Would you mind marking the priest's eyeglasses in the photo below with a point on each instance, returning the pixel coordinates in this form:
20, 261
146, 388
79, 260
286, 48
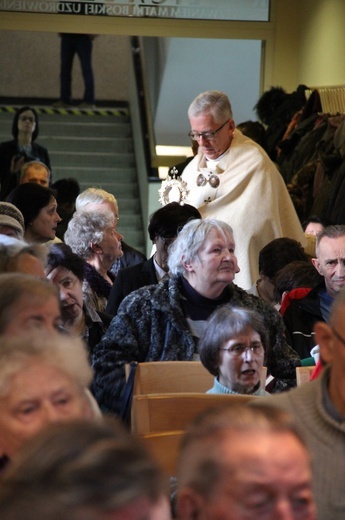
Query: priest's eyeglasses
207, 136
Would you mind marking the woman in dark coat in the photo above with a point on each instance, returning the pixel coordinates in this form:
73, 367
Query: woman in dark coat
66, 270
23, 148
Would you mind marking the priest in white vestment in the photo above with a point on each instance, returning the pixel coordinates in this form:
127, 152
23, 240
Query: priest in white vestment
232, 179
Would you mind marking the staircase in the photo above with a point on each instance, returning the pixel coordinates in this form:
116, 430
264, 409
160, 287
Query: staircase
95, 147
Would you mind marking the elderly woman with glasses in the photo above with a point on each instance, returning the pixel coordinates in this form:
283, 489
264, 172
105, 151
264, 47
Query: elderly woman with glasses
233, 350
22, 148
166, 321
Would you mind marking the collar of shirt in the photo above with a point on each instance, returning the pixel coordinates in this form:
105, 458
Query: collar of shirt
212, 163
159, 271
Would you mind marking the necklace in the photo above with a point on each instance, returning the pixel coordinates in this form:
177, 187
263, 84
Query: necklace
213, 180
210, 177
207, 176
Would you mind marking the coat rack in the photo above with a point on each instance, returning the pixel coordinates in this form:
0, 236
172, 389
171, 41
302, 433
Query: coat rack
332, 99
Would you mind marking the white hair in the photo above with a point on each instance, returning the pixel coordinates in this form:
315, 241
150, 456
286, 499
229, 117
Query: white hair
94, 196
191, 239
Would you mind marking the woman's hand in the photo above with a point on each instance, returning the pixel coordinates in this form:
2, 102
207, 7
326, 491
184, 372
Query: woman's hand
16, 163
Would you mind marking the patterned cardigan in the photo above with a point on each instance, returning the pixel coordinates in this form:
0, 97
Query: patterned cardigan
150, 326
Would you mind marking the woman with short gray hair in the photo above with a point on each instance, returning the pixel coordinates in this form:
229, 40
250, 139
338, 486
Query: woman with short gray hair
166, 321
191, 238
28, 303
93, 237
43, 379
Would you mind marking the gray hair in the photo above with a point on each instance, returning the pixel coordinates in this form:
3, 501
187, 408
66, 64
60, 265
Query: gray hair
191, 239
94, 196
13, 286
213, 102
66, 353
86, 227
201, 466
11, 252
329, 232
80, 470
28, 164
225, 323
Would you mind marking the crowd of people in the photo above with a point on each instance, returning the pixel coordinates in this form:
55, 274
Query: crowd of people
235, 281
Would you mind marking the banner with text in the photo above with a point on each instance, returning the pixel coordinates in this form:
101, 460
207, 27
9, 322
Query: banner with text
237, 10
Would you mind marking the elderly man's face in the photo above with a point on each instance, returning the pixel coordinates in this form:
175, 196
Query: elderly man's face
267, 477
38, 174
220, 143
330, 263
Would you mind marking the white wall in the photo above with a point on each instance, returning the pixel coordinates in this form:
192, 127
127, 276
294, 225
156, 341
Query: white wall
322, 43
195, 65
29, 66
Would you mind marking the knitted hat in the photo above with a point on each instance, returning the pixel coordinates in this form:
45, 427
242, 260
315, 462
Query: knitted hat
12, 217
30, 198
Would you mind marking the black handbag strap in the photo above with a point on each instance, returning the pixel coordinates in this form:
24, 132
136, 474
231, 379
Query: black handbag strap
127, 395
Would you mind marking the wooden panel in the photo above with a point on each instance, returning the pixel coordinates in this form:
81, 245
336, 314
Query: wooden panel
164, 447
169, 412
303, 374
172, 376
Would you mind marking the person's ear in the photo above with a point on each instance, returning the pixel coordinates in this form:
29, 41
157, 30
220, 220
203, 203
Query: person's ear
188, 267
232, 126
190, 505
96, 248
324, 338
317, 265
